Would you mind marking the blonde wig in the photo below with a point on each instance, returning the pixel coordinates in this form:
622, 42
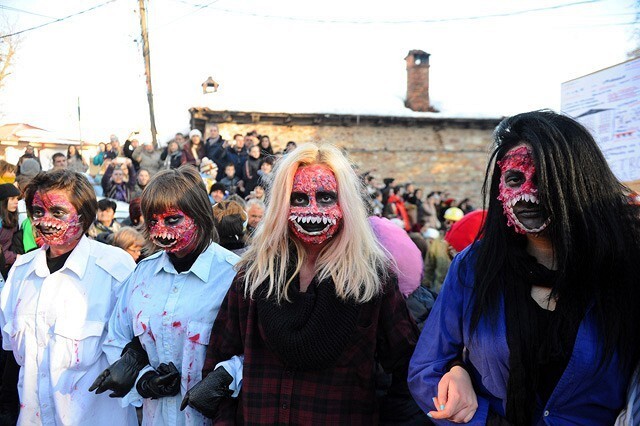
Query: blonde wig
353, 258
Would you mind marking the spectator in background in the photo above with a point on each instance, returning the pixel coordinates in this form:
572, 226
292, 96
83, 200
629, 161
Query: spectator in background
451, 216
59, 161
465, 206
376, 204
148, 157
29, 152
193, 150
437, 260
396, 209
217, 151
291, 145
7, 172
135, 214
75, 161
229, 218
99, 158
180, 140
10, 248
105, 222
232, 183
114, 150
237, 153
265, 172
431, 210
255, 212
266, 150
113, 183
28, 169
142, 180
132, 241
251, 169
258, 193
172, 155
217, 193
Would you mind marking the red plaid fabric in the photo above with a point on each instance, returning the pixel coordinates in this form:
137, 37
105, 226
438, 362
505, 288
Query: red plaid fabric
342, 394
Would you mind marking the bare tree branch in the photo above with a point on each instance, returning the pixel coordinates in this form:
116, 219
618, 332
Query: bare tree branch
8, 49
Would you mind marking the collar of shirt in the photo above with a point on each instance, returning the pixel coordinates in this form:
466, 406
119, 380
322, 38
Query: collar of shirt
200, 268
77, 261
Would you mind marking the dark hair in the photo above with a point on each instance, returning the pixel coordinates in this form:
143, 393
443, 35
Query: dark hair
230, 164
81, 193
135, 211
594, 231
76, 155
217, 187
106, 204
57, 155
236, 135
231, 231
181, 188
9, 219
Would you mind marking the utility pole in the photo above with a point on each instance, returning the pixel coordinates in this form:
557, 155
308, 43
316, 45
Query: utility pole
147, 69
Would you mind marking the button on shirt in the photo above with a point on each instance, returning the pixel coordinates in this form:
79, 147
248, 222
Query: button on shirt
55, 325
172, 313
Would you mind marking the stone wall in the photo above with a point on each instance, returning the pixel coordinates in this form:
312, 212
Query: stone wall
447, 158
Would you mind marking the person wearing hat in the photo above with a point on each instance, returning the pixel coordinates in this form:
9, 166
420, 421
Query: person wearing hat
451, 216
148, 158
9, 195
193, 150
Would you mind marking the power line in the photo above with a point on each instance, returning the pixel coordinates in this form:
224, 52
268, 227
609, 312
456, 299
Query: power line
15, 9
368, 22
197, 6
58, 20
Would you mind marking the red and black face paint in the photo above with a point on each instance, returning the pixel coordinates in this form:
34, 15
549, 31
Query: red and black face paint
173, 231
55, 219
519, 192
314, 213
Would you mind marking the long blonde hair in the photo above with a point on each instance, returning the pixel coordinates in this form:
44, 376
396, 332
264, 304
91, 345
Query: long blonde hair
353, 258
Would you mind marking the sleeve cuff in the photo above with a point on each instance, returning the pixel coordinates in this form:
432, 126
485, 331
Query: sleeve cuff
234, 368
133, 397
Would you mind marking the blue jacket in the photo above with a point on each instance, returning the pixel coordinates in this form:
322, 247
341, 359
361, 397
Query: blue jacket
585, 394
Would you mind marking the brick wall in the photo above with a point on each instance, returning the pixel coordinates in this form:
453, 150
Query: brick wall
444, 158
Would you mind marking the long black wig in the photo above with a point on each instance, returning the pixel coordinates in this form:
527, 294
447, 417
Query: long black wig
594, 231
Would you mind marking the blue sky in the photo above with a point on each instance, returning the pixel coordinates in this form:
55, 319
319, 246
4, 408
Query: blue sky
489, 58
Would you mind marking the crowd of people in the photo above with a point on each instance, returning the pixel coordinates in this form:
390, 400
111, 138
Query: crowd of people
254, 286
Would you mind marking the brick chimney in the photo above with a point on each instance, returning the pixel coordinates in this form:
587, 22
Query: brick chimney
418, 81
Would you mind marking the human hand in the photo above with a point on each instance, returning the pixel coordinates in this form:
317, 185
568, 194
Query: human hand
207, 395
164, 381
456, 400
121, 375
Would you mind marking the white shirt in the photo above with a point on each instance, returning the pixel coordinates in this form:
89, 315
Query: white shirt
55, 325
172, 313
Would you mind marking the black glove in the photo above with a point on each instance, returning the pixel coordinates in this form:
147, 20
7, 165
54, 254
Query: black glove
207, 395
165, 381
122, 374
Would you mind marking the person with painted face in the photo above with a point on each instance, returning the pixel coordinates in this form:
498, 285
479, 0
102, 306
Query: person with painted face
313, 307
169, 303
538, 321
55, 306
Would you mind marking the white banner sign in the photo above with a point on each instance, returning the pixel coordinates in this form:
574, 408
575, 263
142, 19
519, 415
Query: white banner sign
607, 102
